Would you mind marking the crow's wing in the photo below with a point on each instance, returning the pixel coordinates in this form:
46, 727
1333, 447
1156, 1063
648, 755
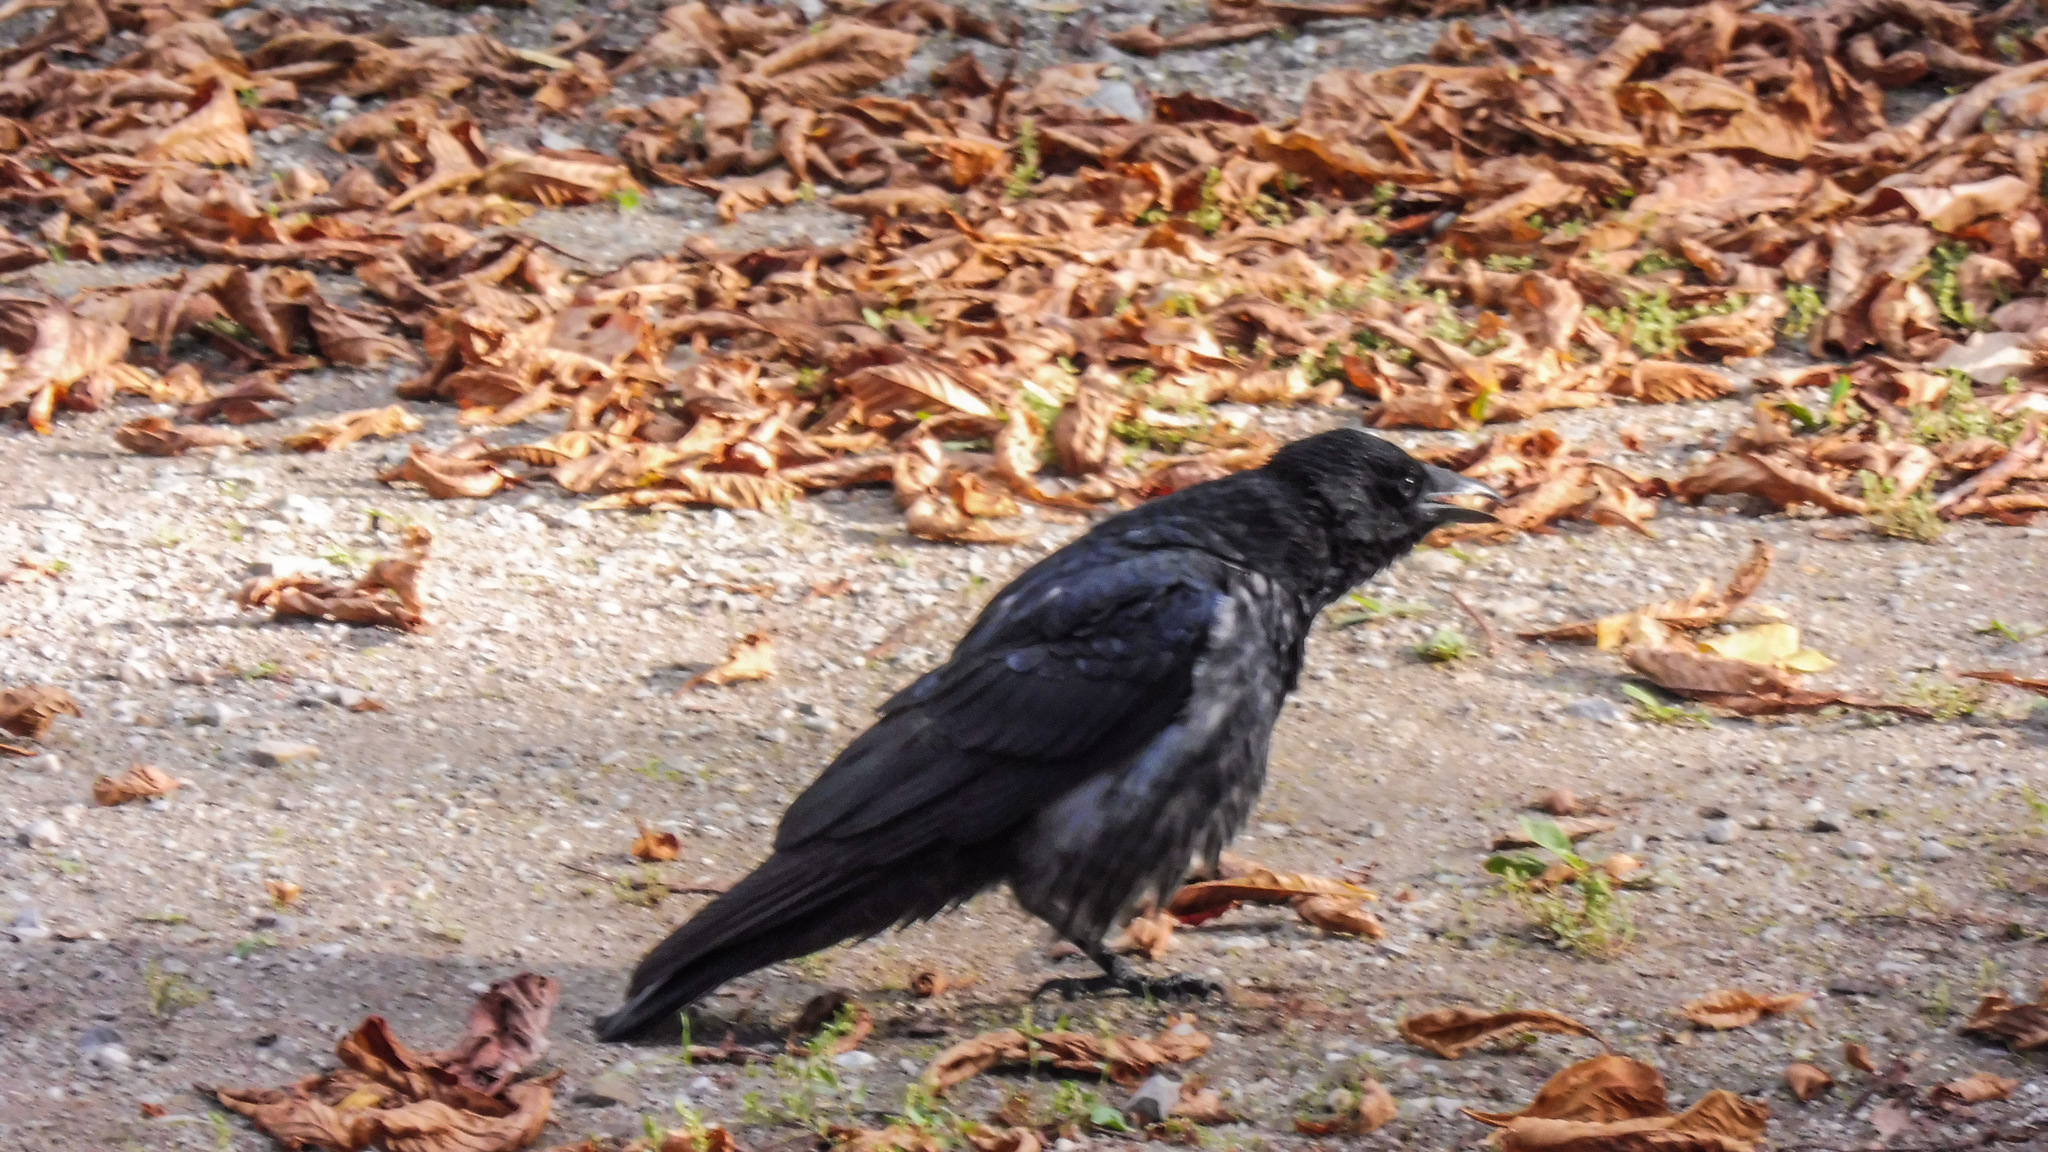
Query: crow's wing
1070, 671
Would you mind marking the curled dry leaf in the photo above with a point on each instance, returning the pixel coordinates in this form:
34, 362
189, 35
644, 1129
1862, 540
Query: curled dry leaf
1368, 1109
654, 844
1195, 903
926, 983
1342, 914
283, 893
2009, 679
752, 657
1574, 827
1602, 1090
1976, 1088
349, 427
387, 595
31, 710
142, 782
2024, 1026
1707, 606
1126, 1060
1452, 1032
1858, 1057
1149, 935
448, 477
158, 436
1807, 1081
385, 1094
1559, 802
1727, 1008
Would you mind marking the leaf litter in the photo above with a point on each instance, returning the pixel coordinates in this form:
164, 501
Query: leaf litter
469, 1098
1042, 280
1125, 1060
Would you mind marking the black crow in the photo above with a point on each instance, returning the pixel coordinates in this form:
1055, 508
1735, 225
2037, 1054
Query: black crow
1104, 723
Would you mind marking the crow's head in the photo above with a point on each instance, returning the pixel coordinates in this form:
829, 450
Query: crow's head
1383, 498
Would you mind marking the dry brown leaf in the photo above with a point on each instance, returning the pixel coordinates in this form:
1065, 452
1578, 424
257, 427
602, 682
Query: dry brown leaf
654, 844
2010, 679
30, 711
1602, 1090
1124, 1059
283, 893
1559, 802
1807, 1081
1720, 1122
1342, 914
1734, 1008
157, 436
212, 134
1208, 899
1150, 935
142, 782
364, 602
752, 657
1858, 1057
448, 477
1452, 1032
1976, 1088
926, 983
2024, 1026
349, 427
465, 1099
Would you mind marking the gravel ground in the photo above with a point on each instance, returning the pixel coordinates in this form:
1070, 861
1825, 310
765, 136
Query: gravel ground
478, 824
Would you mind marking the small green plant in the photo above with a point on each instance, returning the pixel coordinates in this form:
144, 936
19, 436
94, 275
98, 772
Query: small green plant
2036, 806
223, 1132
1649, 707
1943, 281
1358, 608
1444, 645
642, 889
1649, 321
1596, 924
170, 993
1900, 515
262, 670
1807, 309
1502, 262
251, 945
1658, 260
1940, 1005
1961, 416
1025, 172
1209, 217
1946, 699
626, 199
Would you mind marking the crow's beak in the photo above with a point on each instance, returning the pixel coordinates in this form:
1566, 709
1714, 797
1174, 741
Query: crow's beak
1445, 484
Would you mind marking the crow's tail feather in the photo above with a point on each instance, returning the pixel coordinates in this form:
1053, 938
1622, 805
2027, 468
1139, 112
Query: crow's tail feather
796, 903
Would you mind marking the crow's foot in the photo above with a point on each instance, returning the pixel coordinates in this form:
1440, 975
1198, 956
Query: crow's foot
1120, 978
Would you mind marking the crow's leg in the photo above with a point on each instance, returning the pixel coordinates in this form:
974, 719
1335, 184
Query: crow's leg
1118, 976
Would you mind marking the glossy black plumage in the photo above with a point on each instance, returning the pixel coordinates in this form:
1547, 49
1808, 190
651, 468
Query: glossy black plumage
1104, 722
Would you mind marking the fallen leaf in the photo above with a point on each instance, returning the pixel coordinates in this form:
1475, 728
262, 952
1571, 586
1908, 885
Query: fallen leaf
1601, 1090
2024, 1026
752, 657
1858, 1057
926, 983
1775, 645
1195, 903
142, 782
466, 1099
349, 427
448, 477
1150, 935
1728, 1008
283, 893
1976, 1088
654, 844
1125, 1060
30, 711
1807, 1081
158, 436
1558, 802
1343, 914
1452, 1032
2010, 679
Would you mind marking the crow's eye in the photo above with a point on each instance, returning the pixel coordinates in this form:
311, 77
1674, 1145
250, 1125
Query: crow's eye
1411, 486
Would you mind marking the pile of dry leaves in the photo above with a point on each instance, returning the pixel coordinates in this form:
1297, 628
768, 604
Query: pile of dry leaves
469, 1098
1050, 300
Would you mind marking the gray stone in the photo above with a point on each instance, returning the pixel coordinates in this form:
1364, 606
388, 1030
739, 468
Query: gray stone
1858, 850
219, 715
773, 735
1721, 831
1119, 99
1830, 822
855, 1061
549, 138
288, 566
271, 753
1595, 708
1154, 1100
1934, 851
27, 927
41, 834
609, 1090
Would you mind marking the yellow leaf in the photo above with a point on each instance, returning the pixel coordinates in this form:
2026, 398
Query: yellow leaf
1806, 660
1773, 645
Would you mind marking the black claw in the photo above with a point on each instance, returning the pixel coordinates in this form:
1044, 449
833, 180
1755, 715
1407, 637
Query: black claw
1176, 987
